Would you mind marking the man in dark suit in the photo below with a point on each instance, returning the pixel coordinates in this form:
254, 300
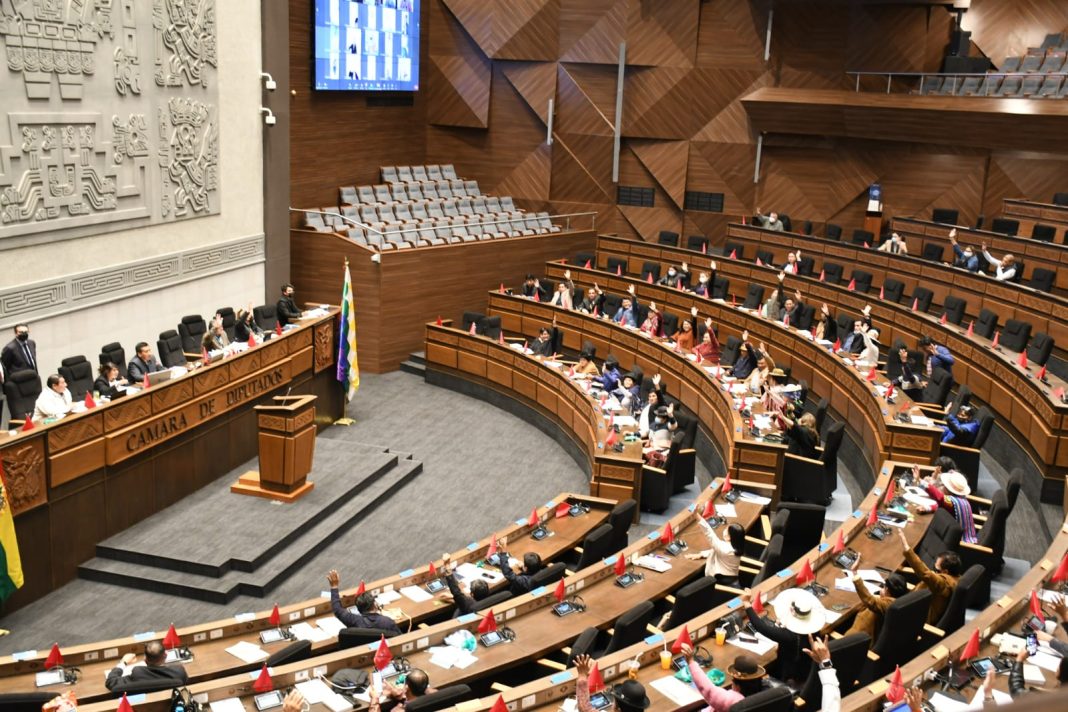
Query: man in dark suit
141, 364
368, 617
20, 353
287, 308
126, 676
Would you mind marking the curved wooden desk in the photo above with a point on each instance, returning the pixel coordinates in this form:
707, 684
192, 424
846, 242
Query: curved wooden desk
1046, 213
1026, 407
208, 641
1045, 312
77, 481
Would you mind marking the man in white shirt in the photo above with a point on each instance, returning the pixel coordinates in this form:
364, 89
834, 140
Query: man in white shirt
54, 400
1005, 268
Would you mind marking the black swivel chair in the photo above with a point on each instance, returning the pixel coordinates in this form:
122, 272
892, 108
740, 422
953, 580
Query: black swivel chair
806, 266
440, 699
114, 353
787, 225
934, 252
953, 618
191, 329
78, 373
754, 296
691, 600
489, 326
833, 232
494, 599
955, 307
615, 264
861, 281
803, 529
595, 547
1040, 348
766, 258
669, 323
847, 655
147, 686
581, 258
806, 228
21, 390
821, 413
729, 354
922, 298
651, 268
806, 317
989, 550
986, 324
470, 318
967, 456
629, 629
942, 535
813, 481
936, 392
774, 699
621, 518
698, 243
229, 320
893, 290
549, 574
354, 637
669, 238
946, 216
293, 653
1044, 233
265, 316
25, 701
1015, 335
899, 638
773, 560
1060, 198
734, 248
1005, 226
720, 287
1042, 279
862, 237
169, 348
832, 273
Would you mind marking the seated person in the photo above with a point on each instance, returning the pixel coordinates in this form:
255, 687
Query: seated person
465, 603
654, 399
708, 349
757, 377
685, 335
368, 616
963, 258
904, 372
949, 489
770, 221
55, 399
869, 356
585, 369
826, 327
941, 581
128, 674
627, 314
1018, 683
705, 282
792, 263
543, 346
286, 308
246, 326
651, 325
747, 358
870, 617
142, 364
609, 378
661, 433
1004, 269
854, 343
562, 295
520, 577
895, 245
724, 556
218, 333
591, 303
416, 684
532, 286
675, 277
628, 696
107, 382
801, 436
629, 394
960, 429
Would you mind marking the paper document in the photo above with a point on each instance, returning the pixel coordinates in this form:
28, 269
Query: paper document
230, 704
676, 690
314, 691
942, 703
446, 656
1033, 674
754, 498
387, 597
845, 584
921, 420
1046, 661
726, 510
625, 421
306, 631
247, 652
762, 646
653, 563
418, 594
331, 625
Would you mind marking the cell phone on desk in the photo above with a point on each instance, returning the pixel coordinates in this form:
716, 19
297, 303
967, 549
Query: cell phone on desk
268, 700
1032, 644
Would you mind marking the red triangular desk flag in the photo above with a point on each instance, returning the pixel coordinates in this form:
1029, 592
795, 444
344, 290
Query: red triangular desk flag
620, 566
588, 265
852, 286
124, 704
263, 681
437, 322
710, 509
562, 510
362, 588
839, 543
1041, 373
278, 328
595, 682
171, 640
533, 520
1036, 607
488, 624
1061, 574
823, 276
28, 425
276, 617
501, 288
55, 658
561, 591
683, 639
144, 382
882, 294
668, 535
89, 402
971, 328
997, 339
432, 570
837, 344
971, 649
896, 692
498, 705
619, 270
758, 604
1022, 361
383, 656
873, 516
733, 255
492, 551
649, 277
805, 575
871, 375
727, 486
537, 295
915, 304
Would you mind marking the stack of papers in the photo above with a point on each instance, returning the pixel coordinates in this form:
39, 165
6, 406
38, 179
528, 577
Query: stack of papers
1046, 661
653, 563
1033, 675
676, 690
921, 420
230, 704
446, 656
306, 631
942, 703
754, 498
468, 571
247, 652
762, 646
316, 691
416, 594
726, 510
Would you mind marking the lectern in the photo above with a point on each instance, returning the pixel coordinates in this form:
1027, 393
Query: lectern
287, 445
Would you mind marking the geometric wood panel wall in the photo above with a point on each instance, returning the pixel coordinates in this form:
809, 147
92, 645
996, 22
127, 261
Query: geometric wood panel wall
495, 64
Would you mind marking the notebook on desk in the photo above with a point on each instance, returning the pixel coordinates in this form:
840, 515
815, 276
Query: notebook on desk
159, 377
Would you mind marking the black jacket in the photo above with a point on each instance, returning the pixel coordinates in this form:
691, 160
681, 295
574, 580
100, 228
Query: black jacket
14, 356
144, 675
517, 583
793, 664
103, 386
136, 369
287, 310
464, 604
242, 331
357, 620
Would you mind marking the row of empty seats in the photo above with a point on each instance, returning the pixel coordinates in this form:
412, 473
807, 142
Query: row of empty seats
385, 217
407, 174
447, 230
1041, 60
383, 194
1039, 86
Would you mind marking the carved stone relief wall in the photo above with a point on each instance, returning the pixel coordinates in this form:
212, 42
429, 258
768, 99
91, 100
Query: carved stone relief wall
89, 141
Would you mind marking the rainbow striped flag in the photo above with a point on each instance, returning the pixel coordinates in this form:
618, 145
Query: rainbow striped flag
348, 369
10, 563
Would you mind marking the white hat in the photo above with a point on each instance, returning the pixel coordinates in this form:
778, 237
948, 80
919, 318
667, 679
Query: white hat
799, 611
956, 483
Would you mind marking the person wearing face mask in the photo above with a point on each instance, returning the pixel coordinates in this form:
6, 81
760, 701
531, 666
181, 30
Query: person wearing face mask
246, 326
20, 353
706, 282
286, 308
963, 258
675, 277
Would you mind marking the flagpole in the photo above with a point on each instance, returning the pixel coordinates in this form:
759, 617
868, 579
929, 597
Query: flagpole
347, 365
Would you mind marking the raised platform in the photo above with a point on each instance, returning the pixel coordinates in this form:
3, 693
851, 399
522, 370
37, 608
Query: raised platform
183, 551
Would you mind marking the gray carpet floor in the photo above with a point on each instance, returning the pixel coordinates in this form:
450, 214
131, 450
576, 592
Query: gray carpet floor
482, 469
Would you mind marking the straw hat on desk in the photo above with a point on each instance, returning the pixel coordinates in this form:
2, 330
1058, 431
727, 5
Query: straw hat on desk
799, 611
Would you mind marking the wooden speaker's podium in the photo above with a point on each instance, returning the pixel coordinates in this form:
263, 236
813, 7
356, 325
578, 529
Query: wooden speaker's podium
287, 445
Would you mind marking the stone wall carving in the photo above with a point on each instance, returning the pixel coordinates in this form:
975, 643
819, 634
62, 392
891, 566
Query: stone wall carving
77, 147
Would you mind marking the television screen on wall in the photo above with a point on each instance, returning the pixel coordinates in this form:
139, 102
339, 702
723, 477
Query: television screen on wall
367, 45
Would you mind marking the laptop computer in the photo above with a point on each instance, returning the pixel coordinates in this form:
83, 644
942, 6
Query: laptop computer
159, 377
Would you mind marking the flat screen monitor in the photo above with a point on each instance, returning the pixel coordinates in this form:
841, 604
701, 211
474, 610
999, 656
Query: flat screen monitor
366, 45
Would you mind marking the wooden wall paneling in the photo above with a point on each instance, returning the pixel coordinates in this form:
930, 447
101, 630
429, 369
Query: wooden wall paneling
814, 183
731, 34
337, 138
34, 534
591, 30
527, 29
459, 70
78, 520
662, 33
1023, 175
809, 44
911, 38
1007, 29
130, 493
